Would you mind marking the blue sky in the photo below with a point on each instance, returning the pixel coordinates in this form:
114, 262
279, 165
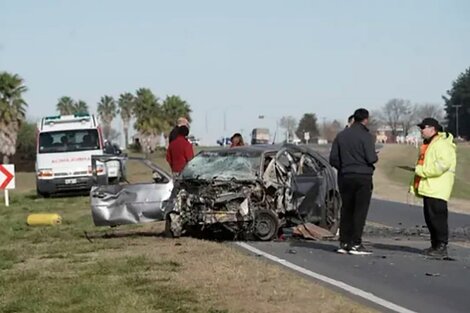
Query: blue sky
237, 58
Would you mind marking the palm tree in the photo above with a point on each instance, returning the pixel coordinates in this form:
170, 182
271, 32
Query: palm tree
174, 107
150, 122
148, 113
12, 112
65, 106
106, 111
126, 107
80, 107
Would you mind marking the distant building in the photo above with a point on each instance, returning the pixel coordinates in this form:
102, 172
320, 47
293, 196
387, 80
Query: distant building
384, 134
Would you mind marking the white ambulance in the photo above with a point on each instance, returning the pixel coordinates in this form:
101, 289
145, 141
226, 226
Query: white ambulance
65, 144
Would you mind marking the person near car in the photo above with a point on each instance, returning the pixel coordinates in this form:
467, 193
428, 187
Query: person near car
434, 176
182, 121
353, 155
180, 151
236, 140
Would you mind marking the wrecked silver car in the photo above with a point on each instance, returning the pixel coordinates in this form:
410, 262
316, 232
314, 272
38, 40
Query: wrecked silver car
135, 197
254, 191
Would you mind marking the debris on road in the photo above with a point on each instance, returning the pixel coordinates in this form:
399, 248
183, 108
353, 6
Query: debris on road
419, 231
311, 231
433, 274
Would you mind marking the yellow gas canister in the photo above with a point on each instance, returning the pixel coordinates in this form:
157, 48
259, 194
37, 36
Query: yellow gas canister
44, 219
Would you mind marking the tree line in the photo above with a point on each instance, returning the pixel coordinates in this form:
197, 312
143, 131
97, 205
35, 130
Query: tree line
400, 115
153, 117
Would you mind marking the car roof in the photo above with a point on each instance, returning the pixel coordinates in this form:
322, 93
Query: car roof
259, 149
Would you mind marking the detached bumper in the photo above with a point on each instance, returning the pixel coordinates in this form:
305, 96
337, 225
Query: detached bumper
69, 184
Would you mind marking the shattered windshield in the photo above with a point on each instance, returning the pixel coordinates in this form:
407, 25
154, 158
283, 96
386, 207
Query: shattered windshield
223, 165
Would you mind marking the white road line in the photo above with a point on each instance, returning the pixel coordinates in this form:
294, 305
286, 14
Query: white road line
355, 291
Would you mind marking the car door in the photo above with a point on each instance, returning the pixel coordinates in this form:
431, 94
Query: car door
303, 181
137, 199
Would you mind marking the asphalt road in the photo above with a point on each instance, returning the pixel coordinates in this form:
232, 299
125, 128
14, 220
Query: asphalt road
397, 271
402, 215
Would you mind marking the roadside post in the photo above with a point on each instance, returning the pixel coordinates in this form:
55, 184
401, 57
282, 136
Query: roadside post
306, 136
7, 180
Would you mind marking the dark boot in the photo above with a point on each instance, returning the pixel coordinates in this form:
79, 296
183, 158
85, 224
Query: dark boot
440, 251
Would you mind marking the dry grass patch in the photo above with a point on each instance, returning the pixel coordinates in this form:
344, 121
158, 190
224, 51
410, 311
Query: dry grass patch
233, 281
133, 269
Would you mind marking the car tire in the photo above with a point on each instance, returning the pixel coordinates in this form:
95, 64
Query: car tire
266, 225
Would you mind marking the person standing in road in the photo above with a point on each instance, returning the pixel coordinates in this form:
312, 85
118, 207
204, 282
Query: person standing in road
433, 181
180, 151
182, 121
353, 155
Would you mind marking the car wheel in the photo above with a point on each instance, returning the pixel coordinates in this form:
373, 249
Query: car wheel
266, 225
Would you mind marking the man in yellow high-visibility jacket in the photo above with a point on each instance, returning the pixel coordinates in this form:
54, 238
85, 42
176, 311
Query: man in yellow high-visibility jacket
433, 181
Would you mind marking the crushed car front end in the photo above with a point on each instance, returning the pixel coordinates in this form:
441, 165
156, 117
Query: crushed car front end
252, 192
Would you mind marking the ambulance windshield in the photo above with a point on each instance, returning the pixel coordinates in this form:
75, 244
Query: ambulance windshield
68, 141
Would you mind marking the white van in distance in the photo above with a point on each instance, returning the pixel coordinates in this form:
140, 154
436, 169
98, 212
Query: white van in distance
65, 145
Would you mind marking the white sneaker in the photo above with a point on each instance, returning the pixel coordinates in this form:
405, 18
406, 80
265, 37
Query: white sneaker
343, 248
359, 250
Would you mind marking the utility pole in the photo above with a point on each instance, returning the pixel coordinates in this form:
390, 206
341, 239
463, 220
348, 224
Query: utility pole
457, 106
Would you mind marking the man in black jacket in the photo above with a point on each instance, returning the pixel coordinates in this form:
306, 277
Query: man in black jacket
353, 155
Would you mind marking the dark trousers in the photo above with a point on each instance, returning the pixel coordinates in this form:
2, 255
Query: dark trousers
356, 191
435, 215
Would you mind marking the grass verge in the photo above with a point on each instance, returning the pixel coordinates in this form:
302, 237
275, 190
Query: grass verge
394, 159
57, 269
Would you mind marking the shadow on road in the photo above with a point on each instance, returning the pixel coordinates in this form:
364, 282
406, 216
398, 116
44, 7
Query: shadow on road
331, 247
382, 246
318, 245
